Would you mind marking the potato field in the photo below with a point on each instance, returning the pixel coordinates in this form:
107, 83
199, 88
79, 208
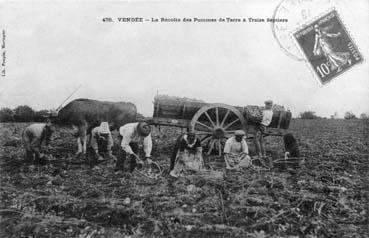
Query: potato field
325, 196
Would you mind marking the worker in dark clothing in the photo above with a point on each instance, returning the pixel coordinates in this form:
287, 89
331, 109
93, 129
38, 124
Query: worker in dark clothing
187, 154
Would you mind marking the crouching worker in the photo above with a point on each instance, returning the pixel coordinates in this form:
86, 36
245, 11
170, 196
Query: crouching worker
132, 135
33, 136
236, 152
102, 142
291, 147
187, 154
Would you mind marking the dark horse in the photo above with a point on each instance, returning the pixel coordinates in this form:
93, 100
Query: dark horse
85, 114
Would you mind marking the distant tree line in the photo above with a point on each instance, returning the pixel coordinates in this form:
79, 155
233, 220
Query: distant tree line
364, 116
348, 115
22, 113
308, 115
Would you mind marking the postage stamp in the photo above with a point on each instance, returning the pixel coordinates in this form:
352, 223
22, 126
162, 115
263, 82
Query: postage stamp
327, 46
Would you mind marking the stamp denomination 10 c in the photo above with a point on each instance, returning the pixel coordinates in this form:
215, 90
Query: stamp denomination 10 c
327, 46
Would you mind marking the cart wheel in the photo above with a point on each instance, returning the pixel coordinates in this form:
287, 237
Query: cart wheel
215, 123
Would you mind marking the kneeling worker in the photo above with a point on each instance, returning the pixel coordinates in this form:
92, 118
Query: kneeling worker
102, 141
33, 136
236, 152
187, 154
132, 135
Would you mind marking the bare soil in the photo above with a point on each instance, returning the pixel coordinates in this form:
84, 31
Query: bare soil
326, 196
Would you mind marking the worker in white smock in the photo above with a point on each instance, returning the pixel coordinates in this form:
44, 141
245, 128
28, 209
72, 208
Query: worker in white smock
260, 129
133, 135
236, 151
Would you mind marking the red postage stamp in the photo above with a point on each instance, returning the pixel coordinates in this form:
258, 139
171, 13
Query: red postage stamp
328, 47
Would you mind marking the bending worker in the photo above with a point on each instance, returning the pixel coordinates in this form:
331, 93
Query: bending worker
260, 129
236, 152
33, 136
187, 154
132, 135
102, 141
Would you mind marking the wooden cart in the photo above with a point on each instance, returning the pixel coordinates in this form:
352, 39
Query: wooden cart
214, 122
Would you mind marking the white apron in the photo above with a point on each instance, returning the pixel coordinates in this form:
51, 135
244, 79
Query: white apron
188, 161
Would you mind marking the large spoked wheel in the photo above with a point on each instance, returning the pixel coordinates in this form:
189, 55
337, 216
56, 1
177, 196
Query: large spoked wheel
215, 123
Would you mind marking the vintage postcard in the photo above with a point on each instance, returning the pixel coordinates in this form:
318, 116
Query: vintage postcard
224, 118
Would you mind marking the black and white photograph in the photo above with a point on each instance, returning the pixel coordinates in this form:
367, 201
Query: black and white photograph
156, 118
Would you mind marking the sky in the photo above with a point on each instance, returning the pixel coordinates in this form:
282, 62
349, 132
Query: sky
53, 47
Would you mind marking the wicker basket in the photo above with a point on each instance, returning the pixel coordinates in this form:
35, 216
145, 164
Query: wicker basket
253, 114
283, 164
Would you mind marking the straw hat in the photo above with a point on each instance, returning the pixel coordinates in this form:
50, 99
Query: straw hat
104, 128
239, 133
143, 129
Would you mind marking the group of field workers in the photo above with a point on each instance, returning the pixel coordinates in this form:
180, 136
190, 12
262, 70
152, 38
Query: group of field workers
131, 136
186, 155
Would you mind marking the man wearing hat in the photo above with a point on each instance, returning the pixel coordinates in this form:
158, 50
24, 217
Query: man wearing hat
265, 121
102, 141
236, 152
187, 154
133, 134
